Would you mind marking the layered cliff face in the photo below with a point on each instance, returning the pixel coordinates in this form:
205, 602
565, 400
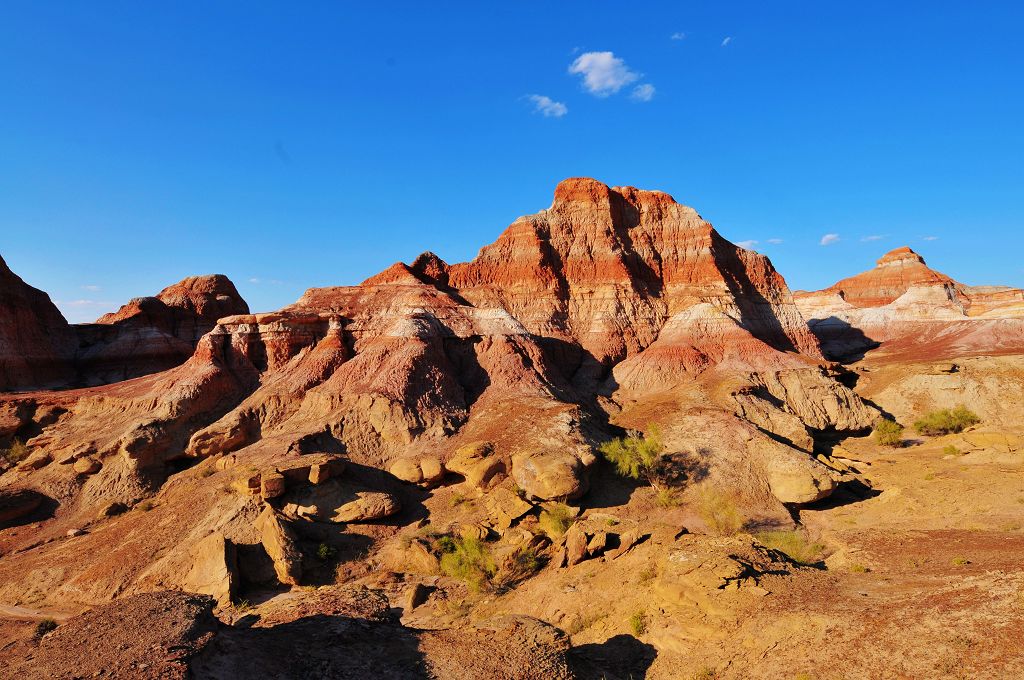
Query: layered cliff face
614, 308
152, 334
907, 308
39, 349
36, 343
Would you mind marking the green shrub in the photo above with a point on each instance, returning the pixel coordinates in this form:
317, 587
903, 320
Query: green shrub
793, 543
669, 498
45, 626
556, 519
719, 511
634, 456
638, 623
467, 559
326, 552
16, 452
946, 421
952, 451
888, 432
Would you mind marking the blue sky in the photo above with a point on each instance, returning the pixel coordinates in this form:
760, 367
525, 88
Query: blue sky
291, 145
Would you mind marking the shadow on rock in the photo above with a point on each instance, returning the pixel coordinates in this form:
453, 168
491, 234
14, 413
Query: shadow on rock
24, 506
622, 657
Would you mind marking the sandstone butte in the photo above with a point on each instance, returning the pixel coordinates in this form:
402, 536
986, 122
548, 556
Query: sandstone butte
185, 444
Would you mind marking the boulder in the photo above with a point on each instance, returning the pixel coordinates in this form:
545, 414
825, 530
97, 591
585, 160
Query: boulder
368, 506
799, 481
87, 466
17, 503
281, 543
272, 484
550, 475
479, 464
214, 569
505, 507
575, 546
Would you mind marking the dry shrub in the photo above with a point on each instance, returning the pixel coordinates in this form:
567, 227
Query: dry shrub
719, 511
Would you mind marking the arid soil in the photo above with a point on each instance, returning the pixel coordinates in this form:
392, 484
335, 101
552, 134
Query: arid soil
404, 478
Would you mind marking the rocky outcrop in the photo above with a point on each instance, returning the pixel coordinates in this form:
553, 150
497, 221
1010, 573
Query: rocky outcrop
152, 334
214, 569
913, 312
36, 342
39, 349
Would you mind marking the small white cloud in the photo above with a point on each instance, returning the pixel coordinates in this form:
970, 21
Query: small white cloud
547, 106
747, 244
92, 288
931, 238
873, 237
254, 280
775, 241
603, 73
829, 239
677, 36
726, 41
643, 93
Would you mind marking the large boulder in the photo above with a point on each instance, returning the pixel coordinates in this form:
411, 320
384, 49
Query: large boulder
214, 569
550, 474
796, 480
282, 545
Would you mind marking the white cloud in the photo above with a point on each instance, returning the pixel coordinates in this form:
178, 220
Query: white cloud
547, 106
747, 244
873, 237
92, 288
726, 41
775, 241
603, 73
931, 238
829, 239
256, 281
643, 93
677, 36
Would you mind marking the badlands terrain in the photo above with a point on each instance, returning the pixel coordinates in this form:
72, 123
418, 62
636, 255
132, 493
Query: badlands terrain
412, 477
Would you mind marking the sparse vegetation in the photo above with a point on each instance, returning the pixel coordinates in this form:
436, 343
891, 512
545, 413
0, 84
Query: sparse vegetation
556, 519
467, 559
960, 561
146, 505
521, 565
638, 623
858, 568
16, 452
719, 511
706, 673
947, 421
243, 606
647, 574
794, 544
635, 456
952, 451
581, 622
45, 626
888, 432
326, 553
457, 500
669, 498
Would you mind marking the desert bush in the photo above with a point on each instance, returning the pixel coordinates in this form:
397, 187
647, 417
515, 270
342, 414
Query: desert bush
952, 451
706, 673
719, 511
638, 623
45, 626
146, 505
888, 432
794, 544
946, 421
467, 559
669, 498
635, 456
326, 552
16, 452
556, 519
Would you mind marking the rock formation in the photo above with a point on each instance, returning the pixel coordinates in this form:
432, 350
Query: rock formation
908, 307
